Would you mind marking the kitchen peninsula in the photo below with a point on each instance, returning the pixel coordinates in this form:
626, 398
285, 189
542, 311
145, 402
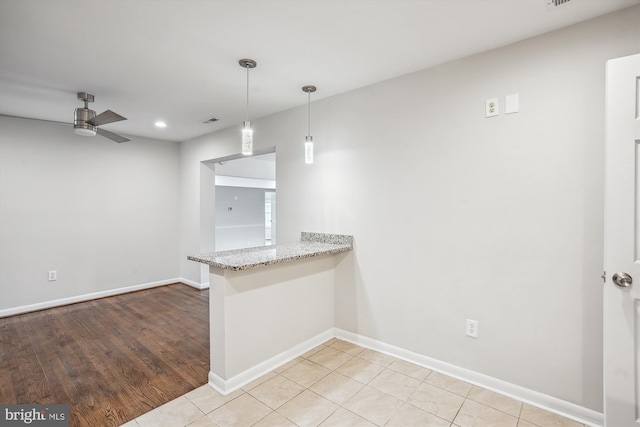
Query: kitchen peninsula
268, 304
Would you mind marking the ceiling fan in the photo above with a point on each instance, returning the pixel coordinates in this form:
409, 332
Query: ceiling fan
85, 121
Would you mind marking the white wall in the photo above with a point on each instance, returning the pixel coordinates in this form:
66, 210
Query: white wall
104, 215
456, 216
239, 217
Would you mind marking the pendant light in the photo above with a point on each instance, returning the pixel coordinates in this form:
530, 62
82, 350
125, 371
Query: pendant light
247, 132
308, 142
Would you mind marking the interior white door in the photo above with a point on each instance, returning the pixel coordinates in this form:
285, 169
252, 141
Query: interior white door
622, 244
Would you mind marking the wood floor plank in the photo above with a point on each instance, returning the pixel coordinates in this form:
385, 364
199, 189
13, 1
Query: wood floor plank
111, 359
8, 364
33, 382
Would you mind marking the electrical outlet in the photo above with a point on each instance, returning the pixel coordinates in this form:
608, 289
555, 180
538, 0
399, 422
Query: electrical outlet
53, 275
472, 328
491, 107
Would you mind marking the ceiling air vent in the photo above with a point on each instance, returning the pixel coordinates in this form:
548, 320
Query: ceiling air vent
211, 120
557, 2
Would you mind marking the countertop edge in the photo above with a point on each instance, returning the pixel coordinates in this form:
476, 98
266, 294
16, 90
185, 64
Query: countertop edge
330, 244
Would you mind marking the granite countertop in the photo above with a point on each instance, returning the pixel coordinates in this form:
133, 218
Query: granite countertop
310, 245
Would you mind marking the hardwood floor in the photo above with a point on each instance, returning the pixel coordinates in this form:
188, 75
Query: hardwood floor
111, 359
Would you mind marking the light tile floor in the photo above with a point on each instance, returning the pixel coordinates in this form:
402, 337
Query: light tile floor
342, 384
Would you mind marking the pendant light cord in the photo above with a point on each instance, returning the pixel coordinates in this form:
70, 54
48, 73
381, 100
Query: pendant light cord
309, 113
247, 92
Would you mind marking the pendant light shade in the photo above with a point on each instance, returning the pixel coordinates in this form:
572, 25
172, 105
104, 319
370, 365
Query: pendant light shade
308, 142
308, 149
247, 138
247, 132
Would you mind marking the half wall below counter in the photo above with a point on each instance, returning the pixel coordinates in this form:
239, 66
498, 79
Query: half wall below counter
266, 303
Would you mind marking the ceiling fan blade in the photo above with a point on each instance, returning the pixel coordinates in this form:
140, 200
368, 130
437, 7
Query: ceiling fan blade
33, 118
112, 136
106, 117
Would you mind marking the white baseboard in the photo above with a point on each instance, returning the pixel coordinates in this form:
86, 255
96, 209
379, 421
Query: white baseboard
95, 295
225, 387
199, 286
543, 401
549, 403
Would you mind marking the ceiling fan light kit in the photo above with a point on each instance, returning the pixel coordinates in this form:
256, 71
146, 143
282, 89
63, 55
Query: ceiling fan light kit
86, 122
83, 115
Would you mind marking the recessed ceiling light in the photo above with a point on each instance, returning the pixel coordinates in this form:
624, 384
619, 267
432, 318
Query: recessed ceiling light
160, 124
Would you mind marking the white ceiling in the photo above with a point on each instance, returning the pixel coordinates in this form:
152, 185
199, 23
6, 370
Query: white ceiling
177, 60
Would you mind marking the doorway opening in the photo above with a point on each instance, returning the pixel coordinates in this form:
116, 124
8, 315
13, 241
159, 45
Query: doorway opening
245, 202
